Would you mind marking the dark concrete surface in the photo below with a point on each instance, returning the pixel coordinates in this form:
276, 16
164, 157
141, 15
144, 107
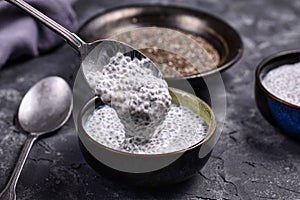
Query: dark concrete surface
252, 160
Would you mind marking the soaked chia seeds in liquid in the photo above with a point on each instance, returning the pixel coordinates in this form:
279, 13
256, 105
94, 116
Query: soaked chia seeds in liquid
140, 99
284, 83
181, 129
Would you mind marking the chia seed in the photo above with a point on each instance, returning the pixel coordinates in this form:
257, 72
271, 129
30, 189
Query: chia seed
181, 57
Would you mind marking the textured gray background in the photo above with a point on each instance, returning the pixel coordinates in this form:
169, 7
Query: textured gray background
252, 160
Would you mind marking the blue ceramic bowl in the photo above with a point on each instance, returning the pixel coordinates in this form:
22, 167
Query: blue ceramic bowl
276, 111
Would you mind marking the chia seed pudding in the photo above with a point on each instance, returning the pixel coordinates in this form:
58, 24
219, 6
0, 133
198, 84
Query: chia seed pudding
139, 116
182, 128
284, 83
140, 99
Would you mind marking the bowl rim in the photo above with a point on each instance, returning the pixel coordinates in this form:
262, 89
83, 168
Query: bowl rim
224, 66
207, 138
263, 63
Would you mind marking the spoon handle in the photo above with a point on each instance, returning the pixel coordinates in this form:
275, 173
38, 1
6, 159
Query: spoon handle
70, 37
9, 192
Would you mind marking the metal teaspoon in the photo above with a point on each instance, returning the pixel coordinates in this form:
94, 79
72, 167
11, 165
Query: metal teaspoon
46, 107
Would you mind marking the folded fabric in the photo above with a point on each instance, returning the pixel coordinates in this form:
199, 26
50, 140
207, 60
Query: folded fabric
21, 35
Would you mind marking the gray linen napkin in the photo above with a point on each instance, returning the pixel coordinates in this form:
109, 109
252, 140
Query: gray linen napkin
21, 35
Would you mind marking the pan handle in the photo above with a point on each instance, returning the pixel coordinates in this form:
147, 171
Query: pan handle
71, 38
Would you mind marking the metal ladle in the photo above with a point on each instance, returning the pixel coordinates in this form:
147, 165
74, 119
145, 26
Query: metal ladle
97, 53
46, 107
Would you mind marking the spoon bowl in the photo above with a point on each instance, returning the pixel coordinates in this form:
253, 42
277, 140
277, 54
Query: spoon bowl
45, 108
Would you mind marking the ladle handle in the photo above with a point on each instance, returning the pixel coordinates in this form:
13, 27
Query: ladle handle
70, 37
9, 192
